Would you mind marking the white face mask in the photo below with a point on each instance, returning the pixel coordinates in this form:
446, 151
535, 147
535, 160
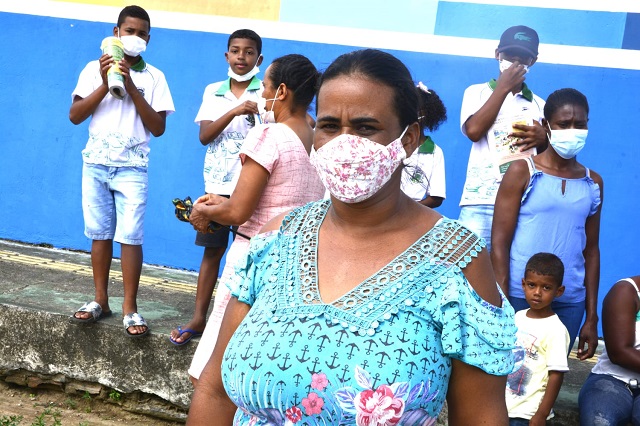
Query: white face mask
354, 168
267, 116
568, 143
504, 65
132, 45
246, 77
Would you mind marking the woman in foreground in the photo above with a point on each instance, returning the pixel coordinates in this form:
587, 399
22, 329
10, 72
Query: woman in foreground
347, 315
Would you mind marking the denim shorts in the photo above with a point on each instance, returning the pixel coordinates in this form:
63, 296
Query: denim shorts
218, 239
114, 200
479, 219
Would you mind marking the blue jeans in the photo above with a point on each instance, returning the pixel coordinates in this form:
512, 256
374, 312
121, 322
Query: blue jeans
114, 200
570, 314
517, 421
478, 218
604, 401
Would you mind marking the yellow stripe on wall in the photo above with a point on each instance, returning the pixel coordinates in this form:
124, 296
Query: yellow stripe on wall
268, 10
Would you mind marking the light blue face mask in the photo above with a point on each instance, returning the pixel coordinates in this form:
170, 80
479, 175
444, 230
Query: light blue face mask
567, 142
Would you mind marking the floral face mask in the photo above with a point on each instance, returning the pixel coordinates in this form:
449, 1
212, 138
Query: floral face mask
354, 168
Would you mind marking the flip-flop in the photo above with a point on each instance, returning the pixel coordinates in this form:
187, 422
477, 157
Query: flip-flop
134, 319
188, 339
94, 309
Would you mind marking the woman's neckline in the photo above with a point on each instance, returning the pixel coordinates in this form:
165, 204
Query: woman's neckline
364, 282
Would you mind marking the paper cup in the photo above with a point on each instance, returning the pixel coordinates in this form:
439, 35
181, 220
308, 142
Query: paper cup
115, 80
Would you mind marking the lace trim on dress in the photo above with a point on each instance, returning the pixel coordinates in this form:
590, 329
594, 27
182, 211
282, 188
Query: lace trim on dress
427, 264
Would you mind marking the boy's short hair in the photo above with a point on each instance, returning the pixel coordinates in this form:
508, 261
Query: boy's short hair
245, 33
133, 12
546, 264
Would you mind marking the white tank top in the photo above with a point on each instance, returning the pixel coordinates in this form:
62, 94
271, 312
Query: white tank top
604, 364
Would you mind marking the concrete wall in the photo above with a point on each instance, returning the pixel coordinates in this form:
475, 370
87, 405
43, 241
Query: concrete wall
446, 44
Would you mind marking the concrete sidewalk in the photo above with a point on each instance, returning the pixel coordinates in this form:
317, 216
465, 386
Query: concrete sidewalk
41, 287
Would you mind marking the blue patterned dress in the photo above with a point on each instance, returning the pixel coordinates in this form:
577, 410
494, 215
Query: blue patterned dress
379, 355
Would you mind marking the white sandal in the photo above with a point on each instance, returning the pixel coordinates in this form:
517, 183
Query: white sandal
94, 309
132, 320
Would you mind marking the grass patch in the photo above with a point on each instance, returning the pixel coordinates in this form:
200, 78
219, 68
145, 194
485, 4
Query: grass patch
10, 420
114, 395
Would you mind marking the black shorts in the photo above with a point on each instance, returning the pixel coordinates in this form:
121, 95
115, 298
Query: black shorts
220, 238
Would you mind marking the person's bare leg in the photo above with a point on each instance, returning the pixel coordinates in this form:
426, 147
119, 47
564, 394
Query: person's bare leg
131, 259
207, 278
101, 255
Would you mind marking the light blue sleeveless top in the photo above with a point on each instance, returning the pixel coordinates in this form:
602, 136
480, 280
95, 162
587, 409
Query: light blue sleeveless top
380, 354
554, 222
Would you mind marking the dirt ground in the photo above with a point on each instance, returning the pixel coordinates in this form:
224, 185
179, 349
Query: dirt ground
44, 407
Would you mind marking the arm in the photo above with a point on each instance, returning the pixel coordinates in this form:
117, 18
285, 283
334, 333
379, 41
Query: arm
467, 406
619, 325
82, 108
153, 120
242, 203
209, 130
210, 400
432, 202
438, 181
480, 275
589, 331
477, 125
549, 398
505, 219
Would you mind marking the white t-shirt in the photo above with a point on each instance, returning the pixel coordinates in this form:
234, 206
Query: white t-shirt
545, 342
222, 160
117, 136
481, 185
423, 175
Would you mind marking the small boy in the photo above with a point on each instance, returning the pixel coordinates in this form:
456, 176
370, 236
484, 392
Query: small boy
114, 175
533, 388
229, 110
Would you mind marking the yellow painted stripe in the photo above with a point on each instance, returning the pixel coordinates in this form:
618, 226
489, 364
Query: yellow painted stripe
267, 10
84, 270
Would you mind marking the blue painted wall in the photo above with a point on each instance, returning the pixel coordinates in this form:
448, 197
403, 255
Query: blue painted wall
578, 28
40, 165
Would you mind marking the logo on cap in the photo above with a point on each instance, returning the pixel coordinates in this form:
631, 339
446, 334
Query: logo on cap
521, 36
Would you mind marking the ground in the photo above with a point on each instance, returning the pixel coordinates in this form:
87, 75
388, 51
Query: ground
45, 407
